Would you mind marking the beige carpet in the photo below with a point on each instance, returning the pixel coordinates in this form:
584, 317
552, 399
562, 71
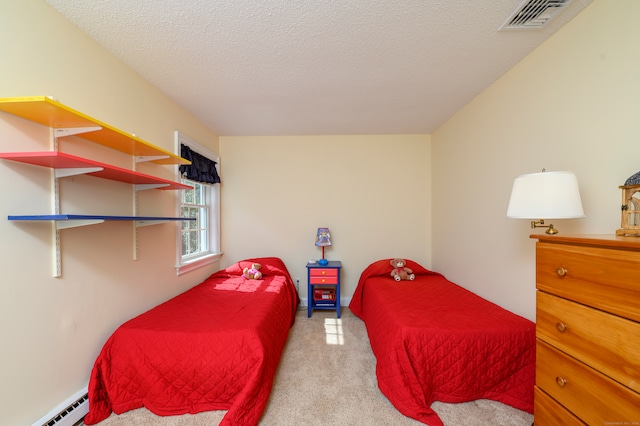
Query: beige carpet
327, 377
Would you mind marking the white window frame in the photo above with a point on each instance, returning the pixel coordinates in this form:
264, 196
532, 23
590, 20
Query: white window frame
213, 200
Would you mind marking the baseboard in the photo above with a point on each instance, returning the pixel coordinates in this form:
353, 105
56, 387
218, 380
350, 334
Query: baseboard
67, 413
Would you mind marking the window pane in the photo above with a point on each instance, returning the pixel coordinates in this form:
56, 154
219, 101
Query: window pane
193, 212
185, 243
203, 240
198, 195
188, 196
193, 242
184, 212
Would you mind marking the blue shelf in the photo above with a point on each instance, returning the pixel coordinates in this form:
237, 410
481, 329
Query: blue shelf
91, 217
73, 220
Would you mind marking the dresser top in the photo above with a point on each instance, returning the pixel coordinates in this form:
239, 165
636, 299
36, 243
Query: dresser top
602, 240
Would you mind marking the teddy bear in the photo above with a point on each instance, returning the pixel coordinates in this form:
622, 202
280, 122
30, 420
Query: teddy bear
252, 273
400, 272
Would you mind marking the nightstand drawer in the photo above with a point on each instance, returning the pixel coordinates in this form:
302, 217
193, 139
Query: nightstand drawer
547, 412
323, 275
599, 277
323, 280
328, 272
594, 337
591, 396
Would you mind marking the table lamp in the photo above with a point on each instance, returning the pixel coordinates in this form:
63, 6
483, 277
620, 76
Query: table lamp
545, 195
323, 239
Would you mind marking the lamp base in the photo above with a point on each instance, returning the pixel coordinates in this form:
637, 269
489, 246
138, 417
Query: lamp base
551, 230
323, 262
540, 224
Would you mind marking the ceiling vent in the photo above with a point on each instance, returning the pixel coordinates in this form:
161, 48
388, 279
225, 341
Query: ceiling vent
533, 14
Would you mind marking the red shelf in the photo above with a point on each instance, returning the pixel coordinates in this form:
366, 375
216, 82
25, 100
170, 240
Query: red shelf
60, 160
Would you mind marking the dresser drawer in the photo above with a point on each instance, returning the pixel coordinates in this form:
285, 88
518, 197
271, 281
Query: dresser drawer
547, 412
603, 278
591, 396
607, 343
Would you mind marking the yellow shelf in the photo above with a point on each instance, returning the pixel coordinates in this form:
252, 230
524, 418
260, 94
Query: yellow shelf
46, 111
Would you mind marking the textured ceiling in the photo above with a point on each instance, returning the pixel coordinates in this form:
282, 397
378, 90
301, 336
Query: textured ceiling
314, 67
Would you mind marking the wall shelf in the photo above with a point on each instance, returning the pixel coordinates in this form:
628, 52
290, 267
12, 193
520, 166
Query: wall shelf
70, 165
64, 221
67, 122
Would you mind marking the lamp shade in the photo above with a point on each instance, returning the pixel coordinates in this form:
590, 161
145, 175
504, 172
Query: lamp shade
323, 238
545, 195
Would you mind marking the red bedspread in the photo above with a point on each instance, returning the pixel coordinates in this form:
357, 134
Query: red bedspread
436, 341
214, 347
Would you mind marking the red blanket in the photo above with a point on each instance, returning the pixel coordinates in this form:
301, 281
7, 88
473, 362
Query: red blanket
435, 341
214, 347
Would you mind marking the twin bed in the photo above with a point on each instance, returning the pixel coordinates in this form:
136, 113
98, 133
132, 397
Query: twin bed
217, 346
214, 347
436, 341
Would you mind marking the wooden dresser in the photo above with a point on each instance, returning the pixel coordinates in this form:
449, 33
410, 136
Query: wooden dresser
588, 330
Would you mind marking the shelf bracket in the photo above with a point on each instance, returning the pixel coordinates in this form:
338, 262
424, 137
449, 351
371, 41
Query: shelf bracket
60, 173
74, 223
62, 132
145, 186
55, 208
134, 227
146, 158
141, 223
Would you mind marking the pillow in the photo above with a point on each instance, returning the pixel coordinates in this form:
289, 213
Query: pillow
383, 267
268, 266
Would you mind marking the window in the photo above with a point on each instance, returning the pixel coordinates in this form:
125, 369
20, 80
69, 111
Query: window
198, 241
195, 233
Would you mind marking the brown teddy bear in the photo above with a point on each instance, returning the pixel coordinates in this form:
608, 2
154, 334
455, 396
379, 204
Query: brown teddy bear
253, 273
400, 272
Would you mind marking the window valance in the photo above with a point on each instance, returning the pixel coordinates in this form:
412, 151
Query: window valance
201, 169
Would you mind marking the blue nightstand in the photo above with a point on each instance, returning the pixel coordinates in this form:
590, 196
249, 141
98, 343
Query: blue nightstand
323, 286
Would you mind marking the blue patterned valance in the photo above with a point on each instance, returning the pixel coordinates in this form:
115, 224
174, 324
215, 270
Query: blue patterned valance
201, 168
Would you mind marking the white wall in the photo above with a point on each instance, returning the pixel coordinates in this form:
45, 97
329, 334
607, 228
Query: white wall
371, 191
573, 104
52, 328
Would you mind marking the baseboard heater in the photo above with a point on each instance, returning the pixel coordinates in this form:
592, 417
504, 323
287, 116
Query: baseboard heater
67, 413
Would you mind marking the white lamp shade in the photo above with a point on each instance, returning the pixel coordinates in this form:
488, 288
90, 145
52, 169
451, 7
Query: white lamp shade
545, 195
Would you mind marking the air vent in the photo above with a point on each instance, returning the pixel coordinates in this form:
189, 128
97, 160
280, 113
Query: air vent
533, 14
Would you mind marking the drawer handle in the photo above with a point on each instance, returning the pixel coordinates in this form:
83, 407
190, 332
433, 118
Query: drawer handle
561, 271
561, 381
323, 280
324, 272
562, 327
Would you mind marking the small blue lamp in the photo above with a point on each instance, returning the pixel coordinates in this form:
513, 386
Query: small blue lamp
323, 239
